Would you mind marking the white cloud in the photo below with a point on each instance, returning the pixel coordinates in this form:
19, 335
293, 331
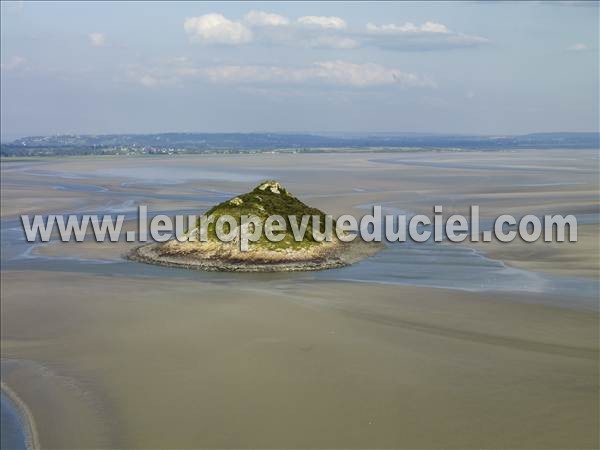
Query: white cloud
579, 47
160, 75
336, 72
269, 28
13, 63
352, 74
265, 28
216, 28
464, 40
323, 22
149, 81
265, 19
427, 36
179, 60
408, 27
329, 41
97, 39
434, 27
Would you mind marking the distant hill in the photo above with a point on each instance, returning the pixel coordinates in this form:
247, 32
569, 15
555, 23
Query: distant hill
245, 142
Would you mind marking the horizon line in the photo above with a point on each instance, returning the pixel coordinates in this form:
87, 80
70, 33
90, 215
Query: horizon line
299, 132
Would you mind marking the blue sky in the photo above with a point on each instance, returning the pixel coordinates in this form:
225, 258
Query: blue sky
134, 67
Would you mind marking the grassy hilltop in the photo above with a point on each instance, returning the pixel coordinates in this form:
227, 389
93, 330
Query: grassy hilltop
270, 198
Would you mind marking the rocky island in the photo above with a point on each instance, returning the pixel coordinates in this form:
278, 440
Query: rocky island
313, 251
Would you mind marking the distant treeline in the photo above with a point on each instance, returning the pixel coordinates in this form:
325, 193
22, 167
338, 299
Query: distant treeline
175, 143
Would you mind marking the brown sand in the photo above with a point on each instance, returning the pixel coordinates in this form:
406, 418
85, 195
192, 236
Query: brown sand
184, 364
579, 259
117, 362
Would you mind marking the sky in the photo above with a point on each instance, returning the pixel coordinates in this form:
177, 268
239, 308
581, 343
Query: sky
135, 67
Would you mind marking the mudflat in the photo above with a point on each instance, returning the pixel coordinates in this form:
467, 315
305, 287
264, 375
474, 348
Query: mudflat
114, 354
165, 363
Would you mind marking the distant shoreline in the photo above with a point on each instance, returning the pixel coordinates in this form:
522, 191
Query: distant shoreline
32, 440
51, 154
58, 152
257, 143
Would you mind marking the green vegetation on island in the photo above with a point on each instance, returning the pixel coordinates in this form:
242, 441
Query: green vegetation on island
270, 199
304, 238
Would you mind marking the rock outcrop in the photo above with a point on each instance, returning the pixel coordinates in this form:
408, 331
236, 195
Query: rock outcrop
314, 249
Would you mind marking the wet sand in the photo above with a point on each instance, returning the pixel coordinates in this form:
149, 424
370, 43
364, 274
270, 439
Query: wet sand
185, 364
25, 417
140, 359
579, 258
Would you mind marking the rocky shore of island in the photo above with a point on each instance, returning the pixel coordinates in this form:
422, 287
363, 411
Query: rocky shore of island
287, 253
227, 258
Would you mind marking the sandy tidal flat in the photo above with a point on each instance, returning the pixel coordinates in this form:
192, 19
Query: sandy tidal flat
115, 354
580, 259
158, 364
